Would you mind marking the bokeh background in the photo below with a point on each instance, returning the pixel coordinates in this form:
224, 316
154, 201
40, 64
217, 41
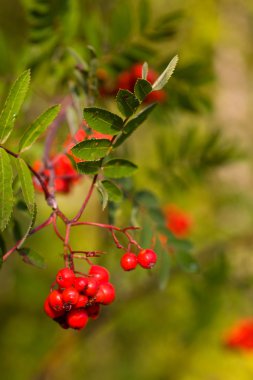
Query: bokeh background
194, 152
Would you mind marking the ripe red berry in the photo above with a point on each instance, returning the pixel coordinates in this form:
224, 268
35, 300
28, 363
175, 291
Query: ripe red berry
65, 278
81, 283
101, 274
50, 311
55, 300
129, 261
92, 287
70, 296
82, 301
105, 294
93, 311
77, 319
147, 258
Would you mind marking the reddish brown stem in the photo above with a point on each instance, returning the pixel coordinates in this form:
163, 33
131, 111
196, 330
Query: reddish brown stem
36, 229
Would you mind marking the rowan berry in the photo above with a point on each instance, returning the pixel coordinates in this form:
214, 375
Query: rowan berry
147, 258
50, 311
82, 301
65, 278
101, 274
105, 294
70, 296
77, 319
81, 283
55, 300
92, 287
93, 310
129, 261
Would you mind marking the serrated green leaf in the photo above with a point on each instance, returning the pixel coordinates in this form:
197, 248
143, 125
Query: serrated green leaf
166, 74
29, 228
145, 70
103, 121
26, 184
104, 194
117, 168
114, 192
126, 102
31, 257
133, 124
92, 149
6, 192
186, 261
142, 88
13, 104
38, 127
90, 167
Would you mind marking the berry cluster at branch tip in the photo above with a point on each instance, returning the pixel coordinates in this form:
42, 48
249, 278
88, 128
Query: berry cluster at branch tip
78, 298
146, 258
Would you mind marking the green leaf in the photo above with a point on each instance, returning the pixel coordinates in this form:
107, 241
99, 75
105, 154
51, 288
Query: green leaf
104, 195
147, 199
26, 184
29, 228
145, 70
92, 149
103, 121
166, 74
127, 102
13, 104
38, 127
117, 168
6, 192
142, 88
31, 257
186, 261
90, 167
133, 124
144, 13
114, 192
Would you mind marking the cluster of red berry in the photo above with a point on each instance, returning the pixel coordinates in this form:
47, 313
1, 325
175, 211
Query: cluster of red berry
146, 258
127, 79
78, 298
64, 174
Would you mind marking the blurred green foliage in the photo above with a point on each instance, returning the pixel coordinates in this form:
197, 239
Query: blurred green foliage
194, 152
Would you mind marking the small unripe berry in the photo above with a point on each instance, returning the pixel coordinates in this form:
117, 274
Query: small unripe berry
105, 294
101, 274
92, 287
50, 311
77, 319
55, 300
81, 283
70, 296
147, 258
65, 278
129, 261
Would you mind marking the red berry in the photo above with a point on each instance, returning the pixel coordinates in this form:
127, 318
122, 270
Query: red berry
81, 283
70, 296
147, 258
92, 287
129, 261
65, 278
77, 319
101, 274
50, 311
82, 301
55, 300
105, 294
93, 311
